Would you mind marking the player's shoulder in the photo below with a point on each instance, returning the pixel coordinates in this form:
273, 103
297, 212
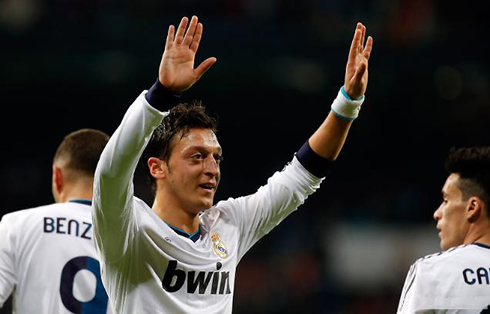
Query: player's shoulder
28, 212
225, 210
457, 254
34, 213
140, 203
443, 255
142, 209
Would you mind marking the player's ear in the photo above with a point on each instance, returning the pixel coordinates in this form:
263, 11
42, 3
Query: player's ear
474, 209
158, 168
57, 179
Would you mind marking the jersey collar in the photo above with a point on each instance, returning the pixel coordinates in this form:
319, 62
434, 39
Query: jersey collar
83, 201
194, 237
482, 245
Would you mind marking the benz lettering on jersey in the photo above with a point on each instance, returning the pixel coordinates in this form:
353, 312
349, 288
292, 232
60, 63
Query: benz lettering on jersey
63, 225
197, 282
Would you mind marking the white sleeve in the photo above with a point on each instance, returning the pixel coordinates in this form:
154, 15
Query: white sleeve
8, 278
114, 222
407, 295
257, 214
414, 298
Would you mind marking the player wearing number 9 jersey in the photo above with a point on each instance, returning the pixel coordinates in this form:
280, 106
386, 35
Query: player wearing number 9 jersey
47, 256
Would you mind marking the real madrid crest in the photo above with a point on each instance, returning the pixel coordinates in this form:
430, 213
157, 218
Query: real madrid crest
219, 246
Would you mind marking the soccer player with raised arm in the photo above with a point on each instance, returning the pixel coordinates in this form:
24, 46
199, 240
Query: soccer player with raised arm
47, 255
457, 280
180, 255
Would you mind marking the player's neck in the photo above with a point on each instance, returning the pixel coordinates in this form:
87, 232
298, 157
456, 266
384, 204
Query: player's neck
175, 215
479, 234
76, 192
484, 239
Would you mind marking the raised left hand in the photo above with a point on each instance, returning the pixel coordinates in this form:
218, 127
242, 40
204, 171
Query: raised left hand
356, 72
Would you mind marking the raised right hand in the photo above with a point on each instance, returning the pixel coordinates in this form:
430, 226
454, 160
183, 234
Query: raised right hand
177, 72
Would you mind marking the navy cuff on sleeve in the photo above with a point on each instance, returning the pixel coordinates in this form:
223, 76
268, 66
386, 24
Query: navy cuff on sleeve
161, 98
314, 163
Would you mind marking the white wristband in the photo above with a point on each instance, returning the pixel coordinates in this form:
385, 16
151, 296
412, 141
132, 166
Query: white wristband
346, 108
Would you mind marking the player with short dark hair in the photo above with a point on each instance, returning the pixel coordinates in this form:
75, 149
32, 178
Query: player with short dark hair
457, 280
47, 256
176, 125
180, 256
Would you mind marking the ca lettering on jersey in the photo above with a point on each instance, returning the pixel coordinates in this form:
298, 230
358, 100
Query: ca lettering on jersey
477, 276
197, 282
61, 225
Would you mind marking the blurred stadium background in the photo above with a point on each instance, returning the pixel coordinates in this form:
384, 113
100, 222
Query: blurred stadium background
68, 64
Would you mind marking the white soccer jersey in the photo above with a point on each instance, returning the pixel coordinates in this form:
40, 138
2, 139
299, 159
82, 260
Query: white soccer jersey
149, 268
456, 281
48, 259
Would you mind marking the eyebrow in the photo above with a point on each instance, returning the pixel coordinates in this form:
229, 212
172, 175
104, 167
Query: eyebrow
206, 148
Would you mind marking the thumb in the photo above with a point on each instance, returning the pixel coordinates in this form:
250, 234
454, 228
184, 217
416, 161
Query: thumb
204, 66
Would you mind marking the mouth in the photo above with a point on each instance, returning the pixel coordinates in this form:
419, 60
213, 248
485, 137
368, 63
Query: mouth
208, 186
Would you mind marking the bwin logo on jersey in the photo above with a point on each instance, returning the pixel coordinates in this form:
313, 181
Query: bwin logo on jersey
174, 279
219, 246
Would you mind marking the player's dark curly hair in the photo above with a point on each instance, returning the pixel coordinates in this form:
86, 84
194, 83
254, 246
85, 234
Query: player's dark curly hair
178, 122
473, 166
80, 150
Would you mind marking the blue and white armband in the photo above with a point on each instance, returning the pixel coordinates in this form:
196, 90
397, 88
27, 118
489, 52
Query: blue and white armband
345, 107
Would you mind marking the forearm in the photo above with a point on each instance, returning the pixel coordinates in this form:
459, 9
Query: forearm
330, 137
262, 211
121, 155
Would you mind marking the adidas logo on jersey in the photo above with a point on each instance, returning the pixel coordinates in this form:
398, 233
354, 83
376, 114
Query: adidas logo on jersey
174, 280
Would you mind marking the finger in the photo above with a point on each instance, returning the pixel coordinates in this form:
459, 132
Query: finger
170, 37
197, 38
369, 47
204, 66
189, 35
355, 44
363, 35
179, 37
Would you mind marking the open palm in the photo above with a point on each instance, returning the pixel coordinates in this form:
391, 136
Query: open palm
356, 72
177, 72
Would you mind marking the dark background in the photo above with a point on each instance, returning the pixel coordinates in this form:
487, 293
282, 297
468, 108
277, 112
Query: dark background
70, 64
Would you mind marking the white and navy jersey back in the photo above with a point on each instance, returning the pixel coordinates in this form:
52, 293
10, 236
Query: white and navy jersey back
455, 281
48, 260
147, 267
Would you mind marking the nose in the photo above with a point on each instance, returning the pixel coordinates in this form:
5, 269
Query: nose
211, 166
438, 214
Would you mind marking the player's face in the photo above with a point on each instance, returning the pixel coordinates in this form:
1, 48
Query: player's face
451, 215
194, 170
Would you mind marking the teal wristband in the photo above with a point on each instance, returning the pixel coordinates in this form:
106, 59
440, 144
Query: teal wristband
345, 107
342, 89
